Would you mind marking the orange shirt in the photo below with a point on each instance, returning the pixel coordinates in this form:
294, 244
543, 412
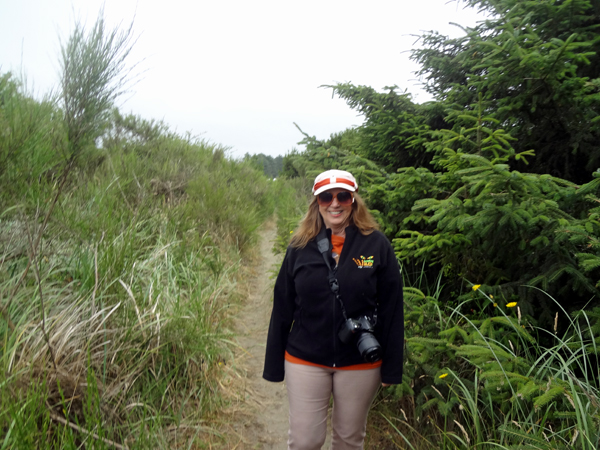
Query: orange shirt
362, 366
337, 242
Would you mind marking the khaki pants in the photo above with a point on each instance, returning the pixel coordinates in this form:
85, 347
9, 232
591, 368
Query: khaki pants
309, 391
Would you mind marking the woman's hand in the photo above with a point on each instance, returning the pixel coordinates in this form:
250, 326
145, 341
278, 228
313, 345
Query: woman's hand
385, 385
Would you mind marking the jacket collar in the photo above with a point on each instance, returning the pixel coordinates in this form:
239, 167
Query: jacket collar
350, 230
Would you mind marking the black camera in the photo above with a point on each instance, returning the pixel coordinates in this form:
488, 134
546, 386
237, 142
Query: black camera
361, 329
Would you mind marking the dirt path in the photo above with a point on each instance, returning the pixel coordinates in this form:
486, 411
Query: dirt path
258, 416
260, 419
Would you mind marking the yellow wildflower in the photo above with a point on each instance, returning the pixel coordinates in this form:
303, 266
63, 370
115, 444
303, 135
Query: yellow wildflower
495, 305
511, 304
291, 231
476, 286
444, 375
491, 296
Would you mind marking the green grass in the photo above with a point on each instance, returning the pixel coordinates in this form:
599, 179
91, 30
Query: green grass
115, 324
149, 341
484, 381
291, 202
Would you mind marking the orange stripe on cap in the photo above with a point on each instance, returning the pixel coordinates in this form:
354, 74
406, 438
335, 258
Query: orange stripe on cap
327, 181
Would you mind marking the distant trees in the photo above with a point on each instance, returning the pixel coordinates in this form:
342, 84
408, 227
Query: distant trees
269, 165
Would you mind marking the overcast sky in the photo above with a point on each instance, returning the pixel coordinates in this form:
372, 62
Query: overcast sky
238, 72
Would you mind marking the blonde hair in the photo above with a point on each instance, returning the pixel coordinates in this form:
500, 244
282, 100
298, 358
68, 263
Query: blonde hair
311, 223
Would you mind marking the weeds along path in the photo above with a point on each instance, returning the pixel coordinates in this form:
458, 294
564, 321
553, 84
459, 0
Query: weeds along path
259, 416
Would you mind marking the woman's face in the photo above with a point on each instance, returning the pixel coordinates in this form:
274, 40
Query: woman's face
334, 215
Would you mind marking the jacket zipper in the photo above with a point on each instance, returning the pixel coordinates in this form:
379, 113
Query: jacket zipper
333, 324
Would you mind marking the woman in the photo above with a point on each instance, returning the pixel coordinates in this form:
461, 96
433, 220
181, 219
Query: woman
309, 320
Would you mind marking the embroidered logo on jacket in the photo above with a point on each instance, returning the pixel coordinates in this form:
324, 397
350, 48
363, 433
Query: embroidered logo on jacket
364, 263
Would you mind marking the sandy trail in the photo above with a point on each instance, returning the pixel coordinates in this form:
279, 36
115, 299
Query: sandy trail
261, 419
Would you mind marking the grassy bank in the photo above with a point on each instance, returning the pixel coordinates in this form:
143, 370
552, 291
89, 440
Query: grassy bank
116, 281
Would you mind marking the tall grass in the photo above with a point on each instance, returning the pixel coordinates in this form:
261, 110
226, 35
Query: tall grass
483, 380
292, 200
115, 328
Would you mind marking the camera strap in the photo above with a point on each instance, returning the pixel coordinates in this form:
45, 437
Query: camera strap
324, 245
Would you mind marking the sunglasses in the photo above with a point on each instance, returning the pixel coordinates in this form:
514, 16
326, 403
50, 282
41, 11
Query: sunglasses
344, 198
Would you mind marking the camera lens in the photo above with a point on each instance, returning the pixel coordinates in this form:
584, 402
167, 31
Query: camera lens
369, 347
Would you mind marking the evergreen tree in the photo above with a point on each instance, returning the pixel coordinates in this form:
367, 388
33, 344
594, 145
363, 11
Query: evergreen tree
394, 128
536, 66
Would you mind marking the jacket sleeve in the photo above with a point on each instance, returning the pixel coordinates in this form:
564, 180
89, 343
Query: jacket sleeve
391, 315
282, 316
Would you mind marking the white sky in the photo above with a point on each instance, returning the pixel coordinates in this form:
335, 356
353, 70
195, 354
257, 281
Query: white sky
240, 72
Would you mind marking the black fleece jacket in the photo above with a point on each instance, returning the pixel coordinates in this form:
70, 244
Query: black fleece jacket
306, 317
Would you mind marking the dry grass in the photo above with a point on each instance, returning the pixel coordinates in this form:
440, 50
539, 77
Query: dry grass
127, 345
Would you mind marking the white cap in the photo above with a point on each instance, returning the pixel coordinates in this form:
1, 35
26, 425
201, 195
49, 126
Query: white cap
334, 179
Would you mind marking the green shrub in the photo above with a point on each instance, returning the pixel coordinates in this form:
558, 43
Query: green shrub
483, 379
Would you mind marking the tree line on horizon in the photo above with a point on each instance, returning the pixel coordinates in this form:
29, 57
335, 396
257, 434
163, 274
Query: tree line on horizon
271, 166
